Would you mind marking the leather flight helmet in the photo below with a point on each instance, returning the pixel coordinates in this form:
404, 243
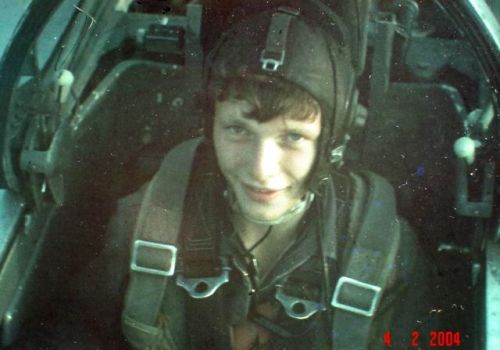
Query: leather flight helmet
287, 45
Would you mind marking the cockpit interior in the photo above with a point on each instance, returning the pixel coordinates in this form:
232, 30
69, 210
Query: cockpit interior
94, 93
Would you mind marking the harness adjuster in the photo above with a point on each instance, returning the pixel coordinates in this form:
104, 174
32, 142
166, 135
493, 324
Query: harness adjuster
169, 250
204, 287
295, 307
359, 288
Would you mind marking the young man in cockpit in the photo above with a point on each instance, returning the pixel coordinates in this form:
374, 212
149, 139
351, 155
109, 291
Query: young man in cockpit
252, 237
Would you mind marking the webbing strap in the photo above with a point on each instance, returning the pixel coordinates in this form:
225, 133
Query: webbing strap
367, 268
273, 56
159, 221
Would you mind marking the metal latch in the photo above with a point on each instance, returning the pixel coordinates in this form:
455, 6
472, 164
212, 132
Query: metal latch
203, 287
297, 308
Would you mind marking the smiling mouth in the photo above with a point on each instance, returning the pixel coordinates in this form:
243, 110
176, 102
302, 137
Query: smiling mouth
261, 195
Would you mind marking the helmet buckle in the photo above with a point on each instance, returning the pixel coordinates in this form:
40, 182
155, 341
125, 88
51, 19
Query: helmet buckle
273, 55
271, 61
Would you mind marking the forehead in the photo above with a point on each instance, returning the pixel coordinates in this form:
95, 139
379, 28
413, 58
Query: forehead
239, 111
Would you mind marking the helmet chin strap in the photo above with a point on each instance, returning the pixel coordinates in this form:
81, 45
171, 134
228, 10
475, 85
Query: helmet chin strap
298, 208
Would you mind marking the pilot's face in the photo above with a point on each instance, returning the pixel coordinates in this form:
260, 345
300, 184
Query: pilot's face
267, 164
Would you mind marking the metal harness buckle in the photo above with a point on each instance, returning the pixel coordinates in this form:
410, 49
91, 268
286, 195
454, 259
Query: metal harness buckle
363, 287
297, 308
204, 287
171, 256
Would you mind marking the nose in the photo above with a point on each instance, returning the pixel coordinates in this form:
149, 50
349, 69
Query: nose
265, 161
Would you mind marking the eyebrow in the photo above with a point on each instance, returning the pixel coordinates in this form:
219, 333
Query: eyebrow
237, 118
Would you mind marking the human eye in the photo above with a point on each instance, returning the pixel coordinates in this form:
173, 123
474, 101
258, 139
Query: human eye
293, 138
236, 130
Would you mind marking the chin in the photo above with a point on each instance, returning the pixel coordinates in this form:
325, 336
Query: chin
262, 214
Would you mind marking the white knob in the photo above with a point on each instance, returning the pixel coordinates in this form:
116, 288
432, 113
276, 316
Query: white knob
465, 147
64, 81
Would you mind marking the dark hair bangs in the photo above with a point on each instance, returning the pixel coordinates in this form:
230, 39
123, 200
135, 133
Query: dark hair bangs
269, 97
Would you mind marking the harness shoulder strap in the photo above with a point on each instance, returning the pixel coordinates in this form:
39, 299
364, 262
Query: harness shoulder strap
367, 265
154, 247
